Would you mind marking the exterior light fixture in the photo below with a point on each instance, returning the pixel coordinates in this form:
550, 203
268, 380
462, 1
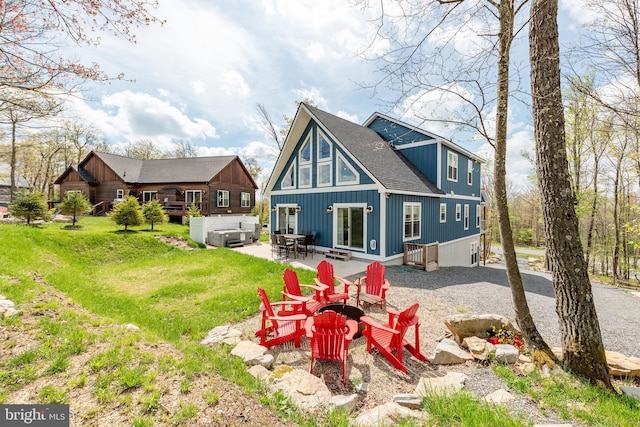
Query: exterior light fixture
369, 209
298, 209
329, 209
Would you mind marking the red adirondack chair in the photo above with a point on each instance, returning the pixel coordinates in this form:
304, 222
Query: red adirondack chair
375, 286
329, 334
326, 277
282, 325
389, 338
292, 290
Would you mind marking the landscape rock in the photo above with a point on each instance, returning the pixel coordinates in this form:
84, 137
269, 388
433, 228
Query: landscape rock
131, 327
630, 391
259, 372
224, 334
499, 396
411, 401
448, 352
473, 325
386, 414
306, 391
506, 353
6, 303
248, 351
449, 383
478, 347
62, 218
621, 365
8, 312
344, 403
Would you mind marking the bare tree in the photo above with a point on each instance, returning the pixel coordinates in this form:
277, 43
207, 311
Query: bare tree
144, 149
478, 80
583, 350
185, 149
19, 107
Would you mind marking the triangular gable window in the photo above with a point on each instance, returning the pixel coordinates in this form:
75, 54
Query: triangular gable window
346, 173
289, 180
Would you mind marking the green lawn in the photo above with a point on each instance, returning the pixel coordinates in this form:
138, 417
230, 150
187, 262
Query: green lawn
177, 296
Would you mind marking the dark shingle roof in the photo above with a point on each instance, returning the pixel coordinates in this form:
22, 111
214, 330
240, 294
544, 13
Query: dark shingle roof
192, 169
392, 169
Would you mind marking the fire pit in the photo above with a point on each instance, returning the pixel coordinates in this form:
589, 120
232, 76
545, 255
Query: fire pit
350, 311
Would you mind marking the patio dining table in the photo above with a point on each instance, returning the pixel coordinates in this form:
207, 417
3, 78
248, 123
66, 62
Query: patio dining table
295, 238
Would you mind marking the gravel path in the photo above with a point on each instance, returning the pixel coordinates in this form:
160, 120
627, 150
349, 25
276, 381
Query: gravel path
486, 290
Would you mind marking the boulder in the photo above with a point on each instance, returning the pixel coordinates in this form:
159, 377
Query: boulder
478, 347
498, 396
306, 391
448, 352
343, 403
249, 352
408, 400
621, 365
474, 325
449, 383
387, 414
506, 353
224, 334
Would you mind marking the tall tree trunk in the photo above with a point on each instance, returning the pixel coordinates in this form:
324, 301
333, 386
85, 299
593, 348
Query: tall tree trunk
582, 346
530, 334
12, 166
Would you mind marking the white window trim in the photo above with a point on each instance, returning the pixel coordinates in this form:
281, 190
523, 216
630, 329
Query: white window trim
120, 194
450, 157
470, 172
340, 157
291, 170
404, 207
363, 206
307, 141
193, 192
243, 200
474, 253
319, 147
144, 196
466, 217
443, 206
324, 184
477, 216
458, 212
228, 200
306, 166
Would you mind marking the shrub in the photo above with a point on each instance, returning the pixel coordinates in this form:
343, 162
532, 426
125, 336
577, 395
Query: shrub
153, 212
75, 204
127, 212
29, 205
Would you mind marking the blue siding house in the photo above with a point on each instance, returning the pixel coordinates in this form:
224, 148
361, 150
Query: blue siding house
369, 189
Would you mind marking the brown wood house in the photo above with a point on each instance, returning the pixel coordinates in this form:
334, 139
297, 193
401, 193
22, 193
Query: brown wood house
216, 185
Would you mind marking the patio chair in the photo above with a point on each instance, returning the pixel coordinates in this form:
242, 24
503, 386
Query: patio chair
375, 286
274, 243
284, 245
329, 334
292, 290
389, 338
307, 244
281, 324
326, 277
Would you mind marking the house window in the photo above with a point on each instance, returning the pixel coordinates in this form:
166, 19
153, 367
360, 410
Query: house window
477, 216
458, 212
474, 253
411, 220
68, 193
305, 176
305, 151
346, 174
223, 199
470, 172
466, 217
289, 180
452, 166
443, 212
324, 174
245, 200
148, 196
193, 196
119, 194
324, 147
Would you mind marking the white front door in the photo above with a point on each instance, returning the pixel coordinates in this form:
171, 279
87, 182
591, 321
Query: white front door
350, 226
287, 219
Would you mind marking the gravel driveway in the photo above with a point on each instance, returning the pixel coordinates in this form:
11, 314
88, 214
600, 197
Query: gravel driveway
486, 290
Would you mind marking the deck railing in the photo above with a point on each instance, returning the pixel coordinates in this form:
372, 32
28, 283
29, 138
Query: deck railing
101, 208
420, 255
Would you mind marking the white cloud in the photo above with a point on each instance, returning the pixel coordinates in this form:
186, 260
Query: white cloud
233, 84
351, 117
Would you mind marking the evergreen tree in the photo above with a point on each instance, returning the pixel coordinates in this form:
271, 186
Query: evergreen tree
128, 212
153, 212
29, 205
75, 204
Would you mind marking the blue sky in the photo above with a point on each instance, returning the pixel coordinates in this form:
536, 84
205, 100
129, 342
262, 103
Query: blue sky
200, 76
